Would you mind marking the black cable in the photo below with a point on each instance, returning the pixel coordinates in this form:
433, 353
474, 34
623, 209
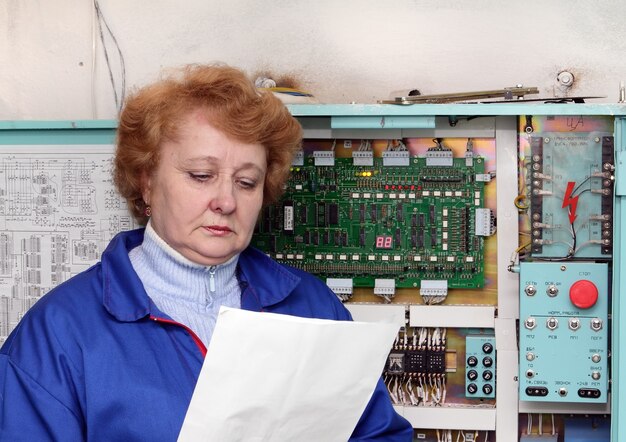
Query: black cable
119, 101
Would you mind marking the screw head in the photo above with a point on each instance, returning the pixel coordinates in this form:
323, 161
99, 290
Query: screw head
565, 78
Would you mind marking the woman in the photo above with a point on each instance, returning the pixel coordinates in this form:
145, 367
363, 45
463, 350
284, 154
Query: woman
114, 353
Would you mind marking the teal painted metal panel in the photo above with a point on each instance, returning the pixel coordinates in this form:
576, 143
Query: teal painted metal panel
57, 132
382, 122
618, 332
480, 366
563, 345
620, 173
513, 108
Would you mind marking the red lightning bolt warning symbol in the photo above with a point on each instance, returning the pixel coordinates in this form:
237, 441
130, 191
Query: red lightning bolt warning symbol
571, 202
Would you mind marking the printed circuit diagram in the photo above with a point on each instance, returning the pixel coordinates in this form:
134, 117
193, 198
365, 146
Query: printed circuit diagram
58, 211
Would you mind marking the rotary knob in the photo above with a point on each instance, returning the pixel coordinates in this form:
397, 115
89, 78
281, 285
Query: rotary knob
583, 294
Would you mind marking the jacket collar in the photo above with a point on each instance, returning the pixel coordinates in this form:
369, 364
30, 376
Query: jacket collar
264, 281
124, 296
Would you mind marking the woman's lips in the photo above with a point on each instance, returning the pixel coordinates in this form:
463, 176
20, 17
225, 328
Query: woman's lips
218, 230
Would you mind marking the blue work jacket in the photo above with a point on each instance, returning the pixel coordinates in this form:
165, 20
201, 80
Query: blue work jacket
96, 360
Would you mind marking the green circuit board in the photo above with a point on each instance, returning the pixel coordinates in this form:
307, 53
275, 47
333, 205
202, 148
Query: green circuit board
408, 223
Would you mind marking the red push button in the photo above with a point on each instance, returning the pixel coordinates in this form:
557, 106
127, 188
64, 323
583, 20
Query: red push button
583, 294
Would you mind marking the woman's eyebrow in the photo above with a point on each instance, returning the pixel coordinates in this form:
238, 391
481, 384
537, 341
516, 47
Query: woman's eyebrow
211, 160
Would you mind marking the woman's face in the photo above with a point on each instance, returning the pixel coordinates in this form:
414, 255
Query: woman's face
206, 192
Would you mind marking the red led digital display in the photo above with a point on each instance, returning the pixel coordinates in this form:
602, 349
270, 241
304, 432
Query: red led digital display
384, 242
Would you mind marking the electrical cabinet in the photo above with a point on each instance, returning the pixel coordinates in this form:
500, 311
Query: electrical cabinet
516, 244
490, 233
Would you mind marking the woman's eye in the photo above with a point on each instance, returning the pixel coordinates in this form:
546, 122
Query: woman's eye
202, 177
248, 184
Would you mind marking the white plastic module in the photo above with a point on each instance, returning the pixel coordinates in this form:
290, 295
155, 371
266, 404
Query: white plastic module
434, 288
452, 316
452, 418
392, 313
439, 158
385, 287
341, 286
396, 158
364, 158
324, 158
298, 159
484, 222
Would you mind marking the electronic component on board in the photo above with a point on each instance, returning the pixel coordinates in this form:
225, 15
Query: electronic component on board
288, 217
324, 158
363, 158
396, 158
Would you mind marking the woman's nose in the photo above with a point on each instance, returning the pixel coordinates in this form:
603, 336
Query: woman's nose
224, 199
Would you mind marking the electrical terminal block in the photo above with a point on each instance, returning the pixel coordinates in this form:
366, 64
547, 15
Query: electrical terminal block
601, 191
385, 288
538, 225
439, 157
602, 217
395, 363
433, 291
542, 241
324, 158
436, 361
396, 158
343, 287
542, 192
604, 242
485, 222
298, 159
542, 176
607, 175
363, 158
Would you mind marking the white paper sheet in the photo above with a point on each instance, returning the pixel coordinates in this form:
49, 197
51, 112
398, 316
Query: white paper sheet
270, 377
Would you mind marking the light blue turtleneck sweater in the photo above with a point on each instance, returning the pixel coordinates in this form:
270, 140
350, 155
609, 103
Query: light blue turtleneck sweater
189, 293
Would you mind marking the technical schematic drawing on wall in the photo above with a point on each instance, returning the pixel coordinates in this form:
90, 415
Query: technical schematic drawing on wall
58, 211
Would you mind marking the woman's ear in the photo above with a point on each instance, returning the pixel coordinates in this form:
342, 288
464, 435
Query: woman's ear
146, 187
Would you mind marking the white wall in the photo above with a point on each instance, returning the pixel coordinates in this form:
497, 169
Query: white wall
342, 50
